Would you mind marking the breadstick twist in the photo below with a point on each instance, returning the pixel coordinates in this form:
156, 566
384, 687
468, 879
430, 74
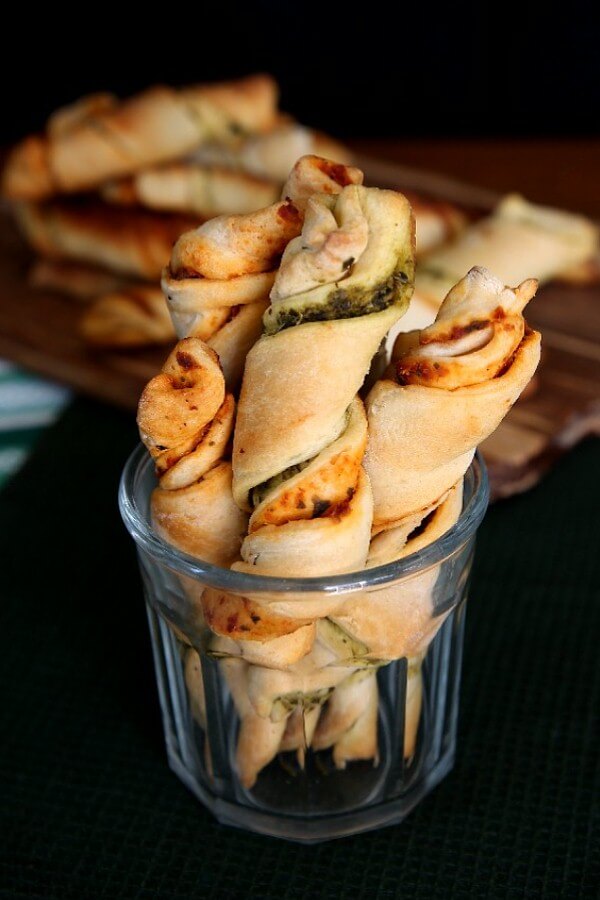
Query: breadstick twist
100, 138
447, 388
185, 419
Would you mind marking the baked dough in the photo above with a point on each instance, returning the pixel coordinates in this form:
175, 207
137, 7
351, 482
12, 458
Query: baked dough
100, 138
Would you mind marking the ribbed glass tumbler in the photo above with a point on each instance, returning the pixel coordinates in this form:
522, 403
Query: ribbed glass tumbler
241, 733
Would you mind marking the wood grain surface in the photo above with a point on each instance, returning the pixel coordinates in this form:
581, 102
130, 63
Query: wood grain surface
39, 328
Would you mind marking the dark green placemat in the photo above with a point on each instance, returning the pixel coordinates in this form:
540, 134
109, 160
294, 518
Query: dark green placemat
89, 808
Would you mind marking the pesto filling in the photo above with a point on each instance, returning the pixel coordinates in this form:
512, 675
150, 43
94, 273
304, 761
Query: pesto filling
258, 494
347, 303
287, 703
343, 645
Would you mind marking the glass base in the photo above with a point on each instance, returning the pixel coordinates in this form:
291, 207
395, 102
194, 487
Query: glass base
315, 830
318, 802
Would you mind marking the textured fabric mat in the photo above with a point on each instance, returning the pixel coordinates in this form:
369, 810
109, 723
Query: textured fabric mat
89, 808
27, 405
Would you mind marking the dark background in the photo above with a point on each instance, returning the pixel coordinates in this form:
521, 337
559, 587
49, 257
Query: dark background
356, 70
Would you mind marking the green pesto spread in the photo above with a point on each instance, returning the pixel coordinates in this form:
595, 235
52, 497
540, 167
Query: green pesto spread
258, 494
346, 303
287, 703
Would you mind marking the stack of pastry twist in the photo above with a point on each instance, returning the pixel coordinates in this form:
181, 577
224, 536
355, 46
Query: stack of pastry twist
111, 184
320, 482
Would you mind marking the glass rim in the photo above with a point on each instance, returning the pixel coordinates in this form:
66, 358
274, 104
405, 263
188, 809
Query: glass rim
244, 583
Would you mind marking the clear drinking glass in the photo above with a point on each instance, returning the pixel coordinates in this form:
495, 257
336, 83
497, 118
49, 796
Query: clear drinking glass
417, 697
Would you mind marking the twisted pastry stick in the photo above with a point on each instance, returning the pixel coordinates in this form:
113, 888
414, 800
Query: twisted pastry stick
447, 388
319, 343
214, 252
310, 497
185, 419
100, 138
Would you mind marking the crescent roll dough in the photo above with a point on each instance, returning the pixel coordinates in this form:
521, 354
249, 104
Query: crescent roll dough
447, 388
100, 138
194, 189
301, 433
518, 241
320, 342
131, 242
321, 483
218, 281
185, 419
272, 154
134, 316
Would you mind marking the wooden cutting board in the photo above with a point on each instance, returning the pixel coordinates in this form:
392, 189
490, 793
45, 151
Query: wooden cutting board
39, 330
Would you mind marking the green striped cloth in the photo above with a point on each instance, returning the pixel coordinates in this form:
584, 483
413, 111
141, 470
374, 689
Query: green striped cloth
27, 405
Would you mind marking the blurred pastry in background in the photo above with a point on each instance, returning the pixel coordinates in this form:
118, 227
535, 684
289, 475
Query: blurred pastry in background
518, 240
187, 187
273, 154
145, 170
100, 137
134, 316
437, 222
131, 242
81, 281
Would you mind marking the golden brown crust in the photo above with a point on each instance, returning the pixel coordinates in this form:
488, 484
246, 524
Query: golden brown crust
135, 316
315, 175
79, 280
98, 139
448, 388
230, 246
324, 485
177, 405
185, 419
242, 619
132, 242
177, 471
201, 519
187, 187
26, 174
